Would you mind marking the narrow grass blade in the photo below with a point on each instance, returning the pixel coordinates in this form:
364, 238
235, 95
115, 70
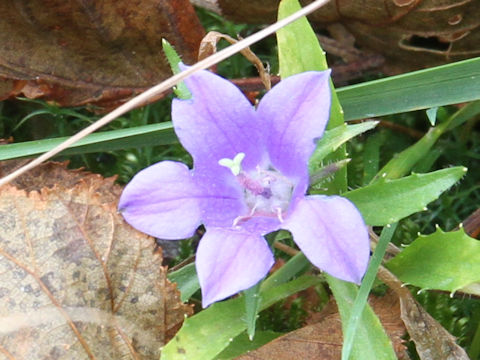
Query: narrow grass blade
147, 135
362, 296
443, 85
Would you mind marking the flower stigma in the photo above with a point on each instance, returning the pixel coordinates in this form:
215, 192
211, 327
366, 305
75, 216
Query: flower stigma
266, 191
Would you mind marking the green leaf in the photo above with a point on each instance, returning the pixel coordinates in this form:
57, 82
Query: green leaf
334, 138
370, 338
371, 155
388, 201
252, 307
291, 268
204, 335
432, 115
299, 51
453, 261
174, 61
374, 98
187, 281
443, 85
404, 162
351, 334
147, 135
298, 46
241, 344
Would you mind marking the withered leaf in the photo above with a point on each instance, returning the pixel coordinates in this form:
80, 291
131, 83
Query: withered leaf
322, 339
432, 341
411, 33
78, 52
76, 282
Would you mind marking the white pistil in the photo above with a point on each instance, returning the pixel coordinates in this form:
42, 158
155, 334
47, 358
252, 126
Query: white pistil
235, 164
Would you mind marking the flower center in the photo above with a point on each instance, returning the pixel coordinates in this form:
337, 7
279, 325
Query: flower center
266, 191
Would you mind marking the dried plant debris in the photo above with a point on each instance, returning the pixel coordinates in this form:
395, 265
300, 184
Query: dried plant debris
432, 341
76, 52
76, 282
411, 33
322, 338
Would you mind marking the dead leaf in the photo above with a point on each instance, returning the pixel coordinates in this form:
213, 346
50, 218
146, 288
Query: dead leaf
410, 33
77, 282
432, 341
322, 340
78, 52
472, 224
52, 173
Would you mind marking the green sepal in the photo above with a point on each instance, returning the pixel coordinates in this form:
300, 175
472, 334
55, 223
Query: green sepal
174, 61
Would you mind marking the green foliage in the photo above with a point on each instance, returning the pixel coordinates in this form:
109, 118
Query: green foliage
388, 201
443, 85
241, 344
452, 262
145, 136
209, 332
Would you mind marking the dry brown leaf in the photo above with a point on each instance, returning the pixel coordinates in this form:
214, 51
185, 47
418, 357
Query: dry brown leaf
76, 282
77, 52
411, 33
322, 340
432, 341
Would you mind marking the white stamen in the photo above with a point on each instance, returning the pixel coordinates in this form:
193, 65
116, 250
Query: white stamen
279, 214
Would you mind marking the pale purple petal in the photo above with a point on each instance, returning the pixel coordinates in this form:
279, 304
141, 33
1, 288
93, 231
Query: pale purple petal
223, 198
217, 122
230, 260
163, 201
296, 112
331, 233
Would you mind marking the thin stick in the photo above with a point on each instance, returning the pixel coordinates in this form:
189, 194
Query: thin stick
165, 85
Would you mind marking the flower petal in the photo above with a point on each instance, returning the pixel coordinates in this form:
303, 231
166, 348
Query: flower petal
223, 197
217, 122
331, 233
296, 112
230, 260
163, 201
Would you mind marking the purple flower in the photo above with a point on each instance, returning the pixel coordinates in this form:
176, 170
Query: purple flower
250, 178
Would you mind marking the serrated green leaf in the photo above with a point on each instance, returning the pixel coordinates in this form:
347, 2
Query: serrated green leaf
453, 261
388, 201
204, 335
174, 61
